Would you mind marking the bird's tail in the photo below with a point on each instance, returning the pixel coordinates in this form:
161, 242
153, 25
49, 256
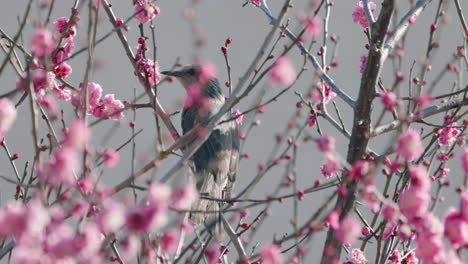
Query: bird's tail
212, 218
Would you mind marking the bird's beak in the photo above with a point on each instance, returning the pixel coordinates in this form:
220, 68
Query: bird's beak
172, 73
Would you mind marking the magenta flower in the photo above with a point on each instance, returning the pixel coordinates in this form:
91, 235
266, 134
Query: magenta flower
333, 219
430, 249
238, 115
7, 115
150, 70
313, 26
322, 87
169, 241
42, 43
94, 95
78, 135
410, 145
414, 202
356, 256
363, 63
60, 168
389, 100
207, 72
271, 254
448, 135
109, 108
391, 212
213, 253
326, 143
456, 228
145, 219
145, 10
359, 14
42, 81
63, 70
419, 177
282, 72
111, 158
331, 165
60, 25
464, 160
348, 231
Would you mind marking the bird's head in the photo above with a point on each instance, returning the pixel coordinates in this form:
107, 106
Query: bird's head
188, 75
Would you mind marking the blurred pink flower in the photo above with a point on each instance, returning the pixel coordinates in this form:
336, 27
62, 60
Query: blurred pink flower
448, 135
410, 145
169, 241
363, 63
348, 231
184, 197
360, 169
111, 217
63, 70
326, 143
60, 167
109, 108
42, 43
456, 228
42, 81
322, 87
391, 212
145, 10
238, 115
414, 202
62, 93
331, 165
282, 72
48, 102
333, 219
94, 95
7, 115
271, 254
111, 158
159, 193
313, 26
430, 249
60, 25
359, 15
464, 160
356, 256
208, 72
145, 219
213, 253
389, 100
419, 177
77, 135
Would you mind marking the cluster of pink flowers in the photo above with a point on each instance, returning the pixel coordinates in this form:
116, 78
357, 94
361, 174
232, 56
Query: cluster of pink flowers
331, 163
410, 145
356, 256
448, 135
271, 254
145, 10
322, 88
359, 14
283, 72
389, 100
313, 26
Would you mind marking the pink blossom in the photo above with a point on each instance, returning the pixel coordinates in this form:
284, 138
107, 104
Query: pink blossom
207, 72
395, 256
238, 115
453, 258
360, 169
145, 219
313, 26
60, 25
271, 254
331, 165
159, 194
60, 168
414, 202
363, 63
429, 225
94, 95
333, 219
419, 177
150, 70
282, 72
256, 2
111, 158
212, 253
48, 102
456, 229
62, 93
184, 197
410, 145
359, 14
109, 108
464, 160
391, 212
7, 115
145, 10
63, 70
389, 100
448, 135
169, 241
423, 100
356, 256
88, 240
131, 245
430, 249
42, 43
111, 217
42, 81
326, 143
13, 220
64, 52
78, 135
326, 90
348, 231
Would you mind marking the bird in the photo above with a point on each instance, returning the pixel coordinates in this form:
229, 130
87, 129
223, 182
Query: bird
215, 162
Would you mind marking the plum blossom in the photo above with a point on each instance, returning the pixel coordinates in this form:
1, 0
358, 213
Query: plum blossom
282, 72
359, 14
63, 70
109, 108
238, 115
184, 197
169, 241
78, 135
146, 218
94, 95
331, 165
212, 253
464, 160
150, 70
419, 177
410, 145
42, 81
60, 25
326, 143
145, 10
7, 115
363, 63
348, 231
42, 43
111, 158
313, 26
207, 72
356, 256
326, 90
271, 254
456, 228
448, 135
430, 249
389, 100
414, 202
60, 167
111, 217
391, 212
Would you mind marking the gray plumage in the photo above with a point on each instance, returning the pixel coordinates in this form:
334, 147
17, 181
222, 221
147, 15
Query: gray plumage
215, 162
